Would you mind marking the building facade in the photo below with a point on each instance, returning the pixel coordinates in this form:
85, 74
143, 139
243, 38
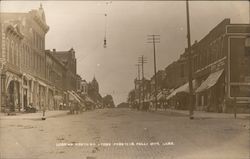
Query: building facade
68, 59
23, 60
220, 69
55, 73
31, 76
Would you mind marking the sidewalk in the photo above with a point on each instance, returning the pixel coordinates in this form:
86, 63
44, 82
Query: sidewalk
37, 115
201, 114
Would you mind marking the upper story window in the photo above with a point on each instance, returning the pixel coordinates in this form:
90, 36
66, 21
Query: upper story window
182, 70
16, 55
11, 51
247, 46
7, 48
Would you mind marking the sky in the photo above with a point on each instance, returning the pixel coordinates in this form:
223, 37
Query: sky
82, 25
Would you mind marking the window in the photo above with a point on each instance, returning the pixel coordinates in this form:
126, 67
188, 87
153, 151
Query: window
37, 67
7, 48
30, 64
209, 55
247, 47
26, 56
21, 55
182, 70
32, 59
195, 63
35, 37
217, 51
38, 42
11, 51
43, 41
33, 41
15, 54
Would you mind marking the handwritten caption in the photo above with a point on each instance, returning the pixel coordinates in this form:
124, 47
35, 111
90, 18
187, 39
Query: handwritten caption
106, 144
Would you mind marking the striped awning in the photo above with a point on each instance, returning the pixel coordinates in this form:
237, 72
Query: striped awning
183, 88
210, 81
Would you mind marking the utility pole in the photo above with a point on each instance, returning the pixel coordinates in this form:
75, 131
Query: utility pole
142, 60
154, 39
139, 91
190, 78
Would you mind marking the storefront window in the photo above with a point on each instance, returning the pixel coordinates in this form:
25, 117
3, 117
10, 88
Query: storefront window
240, 91
239, 62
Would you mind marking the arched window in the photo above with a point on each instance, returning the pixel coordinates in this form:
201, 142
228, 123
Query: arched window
7, 48
20, 55
29, 56
24, 55
15, 55
11, 51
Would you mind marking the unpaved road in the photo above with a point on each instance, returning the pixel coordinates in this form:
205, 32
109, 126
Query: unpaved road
122, 133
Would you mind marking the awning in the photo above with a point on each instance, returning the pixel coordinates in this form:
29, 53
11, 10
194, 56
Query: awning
58, 97
210, 81
29, 77
89, 100
160, 95
72, 96
42, 83
183, 88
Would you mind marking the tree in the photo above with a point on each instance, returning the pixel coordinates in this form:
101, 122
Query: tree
108, 101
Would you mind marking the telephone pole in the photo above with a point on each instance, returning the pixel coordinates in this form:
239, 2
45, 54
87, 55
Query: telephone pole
142, 60
190, 79
139, 91
154, 39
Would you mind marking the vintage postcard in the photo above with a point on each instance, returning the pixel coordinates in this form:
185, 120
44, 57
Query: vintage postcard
124, 79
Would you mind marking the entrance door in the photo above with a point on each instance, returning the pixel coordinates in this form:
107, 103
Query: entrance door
25, 98
10, 101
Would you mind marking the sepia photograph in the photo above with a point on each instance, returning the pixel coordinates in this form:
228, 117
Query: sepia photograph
124, 79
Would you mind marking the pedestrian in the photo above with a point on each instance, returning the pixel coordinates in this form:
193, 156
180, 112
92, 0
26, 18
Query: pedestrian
60, 106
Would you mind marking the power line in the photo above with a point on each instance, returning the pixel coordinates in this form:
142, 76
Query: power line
138, 80
142, 60
154, 39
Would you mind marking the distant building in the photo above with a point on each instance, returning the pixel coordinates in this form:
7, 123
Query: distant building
69, 60
82, 86
93, 91
143, 92
55, 73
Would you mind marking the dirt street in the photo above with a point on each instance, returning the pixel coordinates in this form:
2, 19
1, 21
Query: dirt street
124, 133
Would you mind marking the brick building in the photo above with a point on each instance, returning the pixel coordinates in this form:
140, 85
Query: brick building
68, 59
23, 59
220, 69
29, 74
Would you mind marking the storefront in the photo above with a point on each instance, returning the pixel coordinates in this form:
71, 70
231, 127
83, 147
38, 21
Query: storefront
210, 93
238, 81
179, 97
